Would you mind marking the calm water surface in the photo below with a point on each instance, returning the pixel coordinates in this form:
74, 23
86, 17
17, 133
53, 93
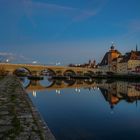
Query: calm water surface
88, 110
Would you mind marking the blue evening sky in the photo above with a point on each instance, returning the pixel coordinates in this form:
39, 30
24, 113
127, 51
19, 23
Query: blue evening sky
69, 31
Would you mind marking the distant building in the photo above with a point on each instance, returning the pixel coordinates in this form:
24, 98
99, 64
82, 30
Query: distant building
114, 62
90, 64
129, 63
137, 69
109, 61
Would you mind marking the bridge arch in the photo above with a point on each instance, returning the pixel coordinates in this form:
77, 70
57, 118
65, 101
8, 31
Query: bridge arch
38, 84
69, 73
89, 73
48, 72
22, 71
69, 82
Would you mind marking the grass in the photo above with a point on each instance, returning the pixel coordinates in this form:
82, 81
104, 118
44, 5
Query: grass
13, 98
17, 128
1, 77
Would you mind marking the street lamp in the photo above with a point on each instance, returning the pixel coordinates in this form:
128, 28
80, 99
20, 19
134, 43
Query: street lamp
7, 60
34, 62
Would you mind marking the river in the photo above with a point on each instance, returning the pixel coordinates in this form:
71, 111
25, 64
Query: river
88, 109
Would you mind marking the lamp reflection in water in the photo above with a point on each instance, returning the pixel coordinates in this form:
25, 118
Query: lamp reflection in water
77, 90
58, 91
34, 93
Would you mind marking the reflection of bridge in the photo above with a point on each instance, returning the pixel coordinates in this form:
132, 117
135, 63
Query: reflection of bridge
112, 92
37, 69
59, 85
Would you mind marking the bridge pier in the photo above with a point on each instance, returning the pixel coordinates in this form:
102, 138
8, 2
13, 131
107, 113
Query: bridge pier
34, 82
59, 73
35, 73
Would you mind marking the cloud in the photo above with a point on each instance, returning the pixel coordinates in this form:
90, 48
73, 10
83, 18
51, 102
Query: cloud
92, 9
51, 6
77, 12
34, 5
47, 11
13, 57
6, 55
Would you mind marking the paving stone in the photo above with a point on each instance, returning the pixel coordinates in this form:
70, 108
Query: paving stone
18, 116
4, 112
5, 122
5, 128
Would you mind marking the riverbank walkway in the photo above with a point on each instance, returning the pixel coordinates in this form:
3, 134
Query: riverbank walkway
19, 119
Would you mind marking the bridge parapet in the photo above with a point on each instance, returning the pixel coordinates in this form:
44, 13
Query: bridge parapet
36, 69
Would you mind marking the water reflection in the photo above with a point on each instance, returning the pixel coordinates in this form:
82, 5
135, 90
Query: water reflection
117, 91
112, 91
88, 109
25, 81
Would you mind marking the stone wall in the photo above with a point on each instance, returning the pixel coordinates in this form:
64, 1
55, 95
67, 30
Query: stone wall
19, 119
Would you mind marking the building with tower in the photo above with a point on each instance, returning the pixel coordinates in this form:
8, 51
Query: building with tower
114, 62
108, 63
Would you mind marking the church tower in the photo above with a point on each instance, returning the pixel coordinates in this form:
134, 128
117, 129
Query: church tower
110, 56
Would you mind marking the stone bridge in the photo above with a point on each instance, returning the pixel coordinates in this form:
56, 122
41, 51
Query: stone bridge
37, 69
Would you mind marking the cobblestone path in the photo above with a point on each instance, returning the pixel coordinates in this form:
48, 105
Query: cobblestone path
19, 119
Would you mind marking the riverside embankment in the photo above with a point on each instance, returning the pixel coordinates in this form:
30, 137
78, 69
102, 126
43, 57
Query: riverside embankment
19, 119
